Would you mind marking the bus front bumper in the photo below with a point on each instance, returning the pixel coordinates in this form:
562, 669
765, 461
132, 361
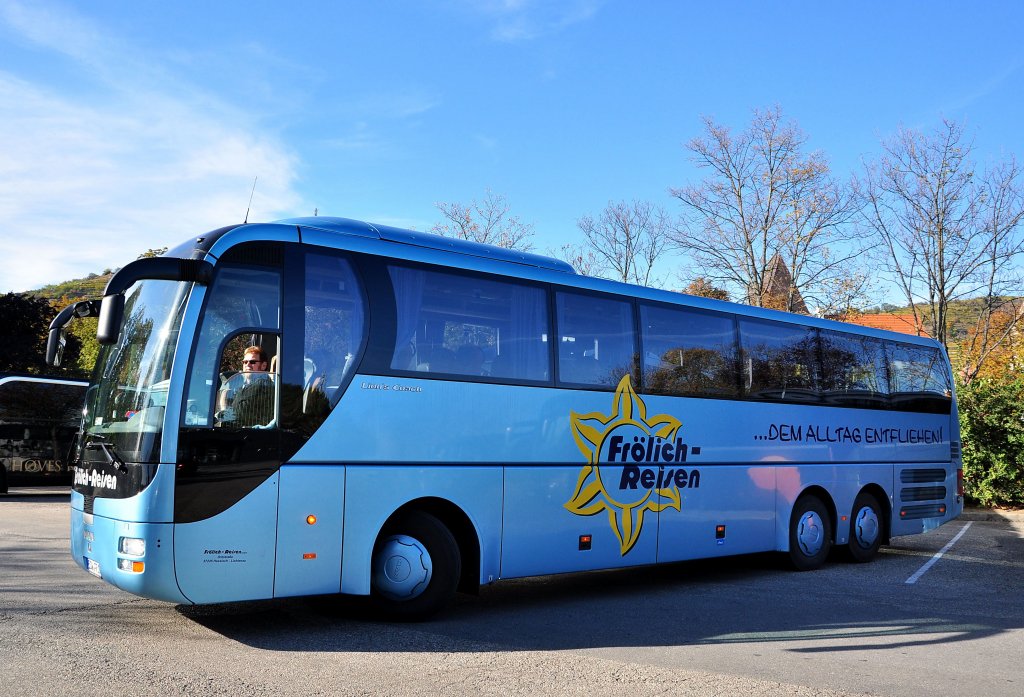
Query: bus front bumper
135, 557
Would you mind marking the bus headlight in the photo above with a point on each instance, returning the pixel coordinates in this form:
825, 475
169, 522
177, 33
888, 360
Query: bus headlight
132, 546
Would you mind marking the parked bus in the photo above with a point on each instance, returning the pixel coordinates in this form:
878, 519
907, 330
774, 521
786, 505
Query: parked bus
39, 418
443, 414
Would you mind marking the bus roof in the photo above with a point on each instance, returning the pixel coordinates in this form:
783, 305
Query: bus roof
59, 380
428, 240
478, 255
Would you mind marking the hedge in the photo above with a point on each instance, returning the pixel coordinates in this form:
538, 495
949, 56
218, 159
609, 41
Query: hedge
992, 432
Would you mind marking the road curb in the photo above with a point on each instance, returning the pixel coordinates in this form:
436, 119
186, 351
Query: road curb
992, 514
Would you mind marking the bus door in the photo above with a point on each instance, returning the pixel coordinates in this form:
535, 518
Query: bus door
230, 445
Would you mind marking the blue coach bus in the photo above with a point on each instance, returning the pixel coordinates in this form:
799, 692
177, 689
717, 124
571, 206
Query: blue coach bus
436, 415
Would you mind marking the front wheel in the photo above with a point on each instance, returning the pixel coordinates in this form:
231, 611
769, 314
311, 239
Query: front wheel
866, 525
810, 534
415, 568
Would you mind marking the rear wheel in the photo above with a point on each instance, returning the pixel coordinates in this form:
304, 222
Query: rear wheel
866, 528
810, 533
415, 568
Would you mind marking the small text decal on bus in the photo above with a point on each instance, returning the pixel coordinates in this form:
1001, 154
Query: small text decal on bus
653, 459
96, 480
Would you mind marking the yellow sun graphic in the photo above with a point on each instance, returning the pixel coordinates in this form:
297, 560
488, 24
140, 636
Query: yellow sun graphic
591, 496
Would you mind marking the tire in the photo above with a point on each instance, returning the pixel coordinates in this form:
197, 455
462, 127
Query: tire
810, 533
415, 567
866, 528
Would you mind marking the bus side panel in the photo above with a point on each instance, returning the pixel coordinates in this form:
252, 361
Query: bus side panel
543, 536
925, 497
373, 493
309, 549
740, 498
230, 556
842, 483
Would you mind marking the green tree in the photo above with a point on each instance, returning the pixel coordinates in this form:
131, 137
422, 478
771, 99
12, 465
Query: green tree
84, 332
26, 322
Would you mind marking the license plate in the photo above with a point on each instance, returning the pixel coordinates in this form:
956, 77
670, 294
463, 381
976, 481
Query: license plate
93, 567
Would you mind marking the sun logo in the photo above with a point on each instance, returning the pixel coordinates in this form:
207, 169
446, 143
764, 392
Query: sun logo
626, 435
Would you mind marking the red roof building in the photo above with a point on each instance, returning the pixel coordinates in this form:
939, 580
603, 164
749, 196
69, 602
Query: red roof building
904, 324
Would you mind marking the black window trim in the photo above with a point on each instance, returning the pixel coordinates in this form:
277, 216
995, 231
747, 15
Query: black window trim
378, 348
556, 337
679, 307
378, 357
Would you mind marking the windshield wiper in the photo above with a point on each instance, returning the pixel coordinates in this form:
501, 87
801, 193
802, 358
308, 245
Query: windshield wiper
108, 451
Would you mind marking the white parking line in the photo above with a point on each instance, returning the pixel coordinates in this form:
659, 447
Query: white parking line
928, 564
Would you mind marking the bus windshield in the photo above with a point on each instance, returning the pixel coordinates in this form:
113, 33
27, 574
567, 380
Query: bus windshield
125, 403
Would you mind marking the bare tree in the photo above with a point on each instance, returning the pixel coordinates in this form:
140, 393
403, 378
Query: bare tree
627, 239
764, 199
999, 320
947, 231
582, 259
846, 293
487, 222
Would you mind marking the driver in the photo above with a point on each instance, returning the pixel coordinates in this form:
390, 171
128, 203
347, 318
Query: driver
254, 400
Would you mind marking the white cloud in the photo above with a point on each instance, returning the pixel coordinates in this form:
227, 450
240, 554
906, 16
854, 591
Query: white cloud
397, 105
142, 160
525, 20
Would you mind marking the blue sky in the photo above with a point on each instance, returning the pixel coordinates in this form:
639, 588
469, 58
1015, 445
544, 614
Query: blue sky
126, 126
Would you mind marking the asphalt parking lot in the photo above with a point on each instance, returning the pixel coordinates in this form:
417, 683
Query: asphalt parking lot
909, 623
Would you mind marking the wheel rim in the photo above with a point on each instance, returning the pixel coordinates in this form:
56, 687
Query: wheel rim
866, 527
401, 568
810, 533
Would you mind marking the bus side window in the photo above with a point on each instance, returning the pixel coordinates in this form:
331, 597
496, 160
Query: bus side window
241, 301
334, 326
853, 371
918, 380
781, 360
689, 352
467, 325
596, 339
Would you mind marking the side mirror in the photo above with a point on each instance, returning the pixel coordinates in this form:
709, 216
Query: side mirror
57, 339
55, 344
111, 314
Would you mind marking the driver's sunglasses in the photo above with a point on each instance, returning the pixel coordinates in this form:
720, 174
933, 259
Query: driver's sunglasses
254, 360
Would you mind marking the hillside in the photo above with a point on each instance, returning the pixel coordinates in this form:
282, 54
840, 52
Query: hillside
78, 289
90, 287
963, 314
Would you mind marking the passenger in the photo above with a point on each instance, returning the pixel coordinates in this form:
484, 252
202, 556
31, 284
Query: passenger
470, 360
